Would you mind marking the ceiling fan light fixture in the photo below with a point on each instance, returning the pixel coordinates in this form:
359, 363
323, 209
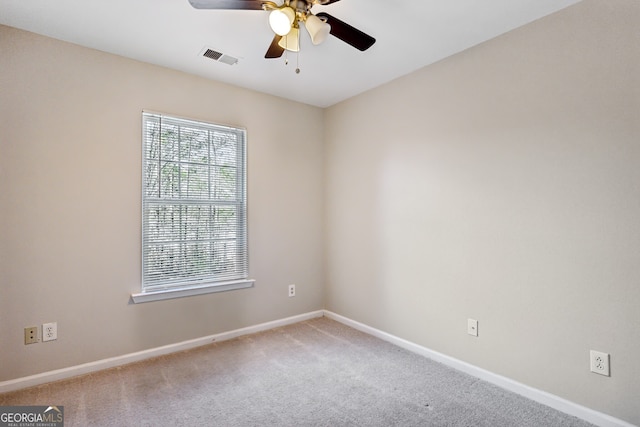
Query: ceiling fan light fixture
317, 28
281, 20
291, 40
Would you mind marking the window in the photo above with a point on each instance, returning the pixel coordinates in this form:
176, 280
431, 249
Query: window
194, 210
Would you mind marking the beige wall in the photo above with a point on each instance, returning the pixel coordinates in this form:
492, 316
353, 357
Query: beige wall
501, 184
70, 210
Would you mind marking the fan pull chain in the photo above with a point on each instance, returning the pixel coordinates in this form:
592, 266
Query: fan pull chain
286, 53
298, 56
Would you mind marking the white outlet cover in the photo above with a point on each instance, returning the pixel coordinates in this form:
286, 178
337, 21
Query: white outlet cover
472, 327
599, 362
49, 331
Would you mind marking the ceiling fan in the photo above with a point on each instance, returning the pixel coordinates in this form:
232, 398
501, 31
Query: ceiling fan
285, 21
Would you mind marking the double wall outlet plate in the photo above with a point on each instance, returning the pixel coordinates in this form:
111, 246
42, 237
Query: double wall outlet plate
31, 335
50, 331
599, 362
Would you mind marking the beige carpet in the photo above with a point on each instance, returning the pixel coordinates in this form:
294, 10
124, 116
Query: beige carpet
313, 373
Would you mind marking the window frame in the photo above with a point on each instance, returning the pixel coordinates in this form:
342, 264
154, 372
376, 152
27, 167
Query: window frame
238, 278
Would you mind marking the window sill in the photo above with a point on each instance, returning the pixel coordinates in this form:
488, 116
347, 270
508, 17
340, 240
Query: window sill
187, 292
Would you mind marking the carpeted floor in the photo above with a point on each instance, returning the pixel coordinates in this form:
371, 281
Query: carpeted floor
314, 373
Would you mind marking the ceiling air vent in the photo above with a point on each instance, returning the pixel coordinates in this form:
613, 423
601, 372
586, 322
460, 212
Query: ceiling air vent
218, 56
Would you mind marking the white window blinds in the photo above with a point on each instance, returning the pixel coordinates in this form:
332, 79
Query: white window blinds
194, 210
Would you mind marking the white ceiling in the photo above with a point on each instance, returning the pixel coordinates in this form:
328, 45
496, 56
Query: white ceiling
410, 34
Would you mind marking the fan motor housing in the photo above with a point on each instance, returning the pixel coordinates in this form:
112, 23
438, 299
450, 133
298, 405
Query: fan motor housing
301, 6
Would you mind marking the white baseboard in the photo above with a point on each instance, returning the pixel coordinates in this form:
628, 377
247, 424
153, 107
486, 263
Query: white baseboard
73, 371
548, 399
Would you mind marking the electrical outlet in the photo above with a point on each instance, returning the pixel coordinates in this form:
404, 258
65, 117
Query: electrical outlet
599, 362
31, 335
49, 331
472, 327
292, 290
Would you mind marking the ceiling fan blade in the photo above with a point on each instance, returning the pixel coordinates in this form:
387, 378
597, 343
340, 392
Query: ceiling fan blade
227, 4
275, 50
347, 33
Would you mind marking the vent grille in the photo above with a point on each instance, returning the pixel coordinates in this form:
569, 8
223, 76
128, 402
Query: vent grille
218, 56
210, 53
